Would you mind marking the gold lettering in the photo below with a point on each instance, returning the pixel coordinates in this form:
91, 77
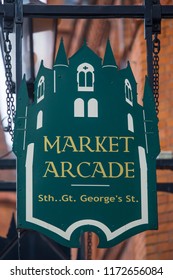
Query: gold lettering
100, 144
111, 138
47, 143
69, 167
51, 168
126, 150
69, 143
99, 169
82, 144
129, 170
79, 170
120, 171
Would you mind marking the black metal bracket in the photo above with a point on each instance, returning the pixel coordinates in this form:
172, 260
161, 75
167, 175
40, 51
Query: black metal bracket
156, 15
153, 16
8, 25
152, 23
18, 12
19, 35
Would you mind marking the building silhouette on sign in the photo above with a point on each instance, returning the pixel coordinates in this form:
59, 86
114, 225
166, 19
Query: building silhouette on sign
87, 100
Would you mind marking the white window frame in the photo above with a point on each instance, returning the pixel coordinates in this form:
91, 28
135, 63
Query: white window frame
89, 69
41, 89
130, 123
40, 120
79, 108
93, 108
128, 92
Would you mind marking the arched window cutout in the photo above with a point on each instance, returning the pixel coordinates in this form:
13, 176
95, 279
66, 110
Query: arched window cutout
40, 120
79, 108
41, 89
82, 79
89, 79
128, 92
93, 108
85, 77
130, 123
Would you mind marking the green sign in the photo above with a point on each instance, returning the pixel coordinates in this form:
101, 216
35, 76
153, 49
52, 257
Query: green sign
86, 151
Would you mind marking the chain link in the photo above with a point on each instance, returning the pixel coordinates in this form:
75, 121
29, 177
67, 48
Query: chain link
9, 85
89, 246
156, 50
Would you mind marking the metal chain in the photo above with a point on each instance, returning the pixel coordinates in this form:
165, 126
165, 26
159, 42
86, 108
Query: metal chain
9, 85
156, 50
89, 246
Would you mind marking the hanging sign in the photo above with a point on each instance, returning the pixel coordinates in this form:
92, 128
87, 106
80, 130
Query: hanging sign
86, 151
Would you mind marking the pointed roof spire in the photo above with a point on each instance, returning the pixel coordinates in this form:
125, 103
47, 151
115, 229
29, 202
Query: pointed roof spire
109, 59
61, 58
